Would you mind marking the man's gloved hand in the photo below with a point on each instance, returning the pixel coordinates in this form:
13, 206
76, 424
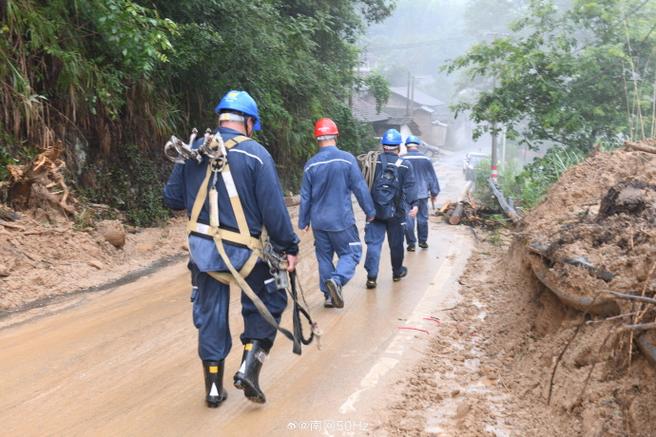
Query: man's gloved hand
292, 260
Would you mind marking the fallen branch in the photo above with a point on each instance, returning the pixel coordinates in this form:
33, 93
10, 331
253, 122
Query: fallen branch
560, 358
598, 272
40, 180
608, 319
456, 216
587, 378
445, 207
593, 305
471, 200
507, 208
643, 299
7, 224
46, 231
639, 147
639, 327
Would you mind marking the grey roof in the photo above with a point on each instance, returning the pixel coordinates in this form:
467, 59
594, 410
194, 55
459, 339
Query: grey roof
397, 112
365, 111
420, 97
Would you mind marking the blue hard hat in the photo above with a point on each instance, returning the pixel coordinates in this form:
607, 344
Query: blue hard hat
391, 137
240, 101
412, 140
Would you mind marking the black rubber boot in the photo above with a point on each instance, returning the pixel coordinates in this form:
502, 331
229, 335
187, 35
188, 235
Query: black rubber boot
247, 378
215, 394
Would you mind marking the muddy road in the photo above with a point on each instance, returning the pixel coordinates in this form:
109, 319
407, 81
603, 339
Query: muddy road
123, 362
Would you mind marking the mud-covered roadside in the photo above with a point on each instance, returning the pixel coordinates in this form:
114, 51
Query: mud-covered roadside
39, 262
488, 370
515, 359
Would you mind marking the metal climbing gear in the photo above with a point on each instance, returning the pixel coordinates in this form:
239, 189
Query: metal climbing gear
178, 151
216, 150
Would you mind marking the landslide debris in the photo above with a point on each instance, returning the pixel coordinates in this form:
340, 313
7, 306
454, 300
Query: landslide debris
41, 260
596, 230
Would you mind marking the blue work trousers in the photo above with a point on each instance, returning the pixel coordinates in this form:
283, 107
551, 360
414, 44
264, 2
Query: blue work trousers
346, 244
374, 235
422, 224
211, 316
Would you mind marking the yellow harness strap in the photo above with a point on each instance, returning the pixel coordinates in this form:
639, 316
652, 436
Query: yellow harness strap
243, 237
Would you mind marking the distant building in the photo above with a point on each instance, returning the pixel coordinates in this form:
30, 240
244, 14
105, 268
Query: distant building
417, 115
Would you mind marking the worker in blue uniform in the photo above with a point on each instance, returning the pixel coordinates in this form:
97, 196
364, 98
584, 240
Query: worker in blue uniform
394, 194
252, 184
329, 178
427, 186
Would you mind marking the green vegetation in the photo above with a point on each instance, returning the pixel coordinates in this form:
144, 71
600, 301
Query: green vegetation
114, 73
577, 75
570, 75
5, 160
379, 88
127, 184
528, 186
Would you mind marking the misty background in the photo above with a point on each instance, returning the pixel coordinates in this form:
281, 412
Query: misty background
422, 36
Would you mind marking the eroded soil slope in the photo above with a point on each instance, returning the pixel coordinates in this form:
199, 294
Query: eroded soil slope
488, 370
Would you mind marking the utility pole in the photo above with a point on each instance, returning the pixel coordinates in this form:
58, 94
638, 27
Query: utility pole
412, 92
493, 156
407, 95
503, 147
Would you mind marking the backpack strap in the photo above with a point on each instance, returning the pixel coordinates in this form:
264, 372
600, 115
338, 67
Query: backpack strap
383, 162
398, 162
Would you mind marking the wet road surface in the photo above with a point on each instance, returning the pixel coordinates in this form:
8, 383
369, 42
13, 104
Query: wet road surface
124, 362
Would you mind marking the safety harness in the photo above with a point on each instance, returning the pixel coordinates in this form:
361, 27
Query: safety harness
243, 237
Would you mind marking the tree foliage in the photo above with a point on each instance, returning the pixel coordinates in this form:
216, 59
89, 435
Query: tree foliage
379, 88
103, 74
575, 76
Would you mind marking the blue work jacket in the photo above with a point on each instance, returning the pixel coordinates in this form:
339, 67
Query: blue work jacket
329, 178
427, 183
256, 180
408, 195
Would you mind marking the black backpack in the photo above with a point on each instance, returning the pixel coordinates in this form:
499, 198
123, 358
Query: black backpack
386, 189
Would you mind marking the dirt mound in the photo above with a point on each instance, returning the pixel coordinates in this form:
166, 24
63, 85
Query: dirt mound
488, 371
39, 261
597, 228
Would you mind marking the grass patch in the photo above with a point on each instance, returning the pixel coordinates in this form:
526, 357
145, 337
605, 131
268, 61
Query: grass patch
528, 186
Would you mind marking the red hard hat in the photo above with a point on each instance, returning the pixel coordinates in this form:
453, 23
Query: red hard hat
324, 127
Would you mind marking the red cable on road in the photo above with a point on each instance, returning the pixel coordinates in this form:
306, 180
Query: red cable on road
412, 328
